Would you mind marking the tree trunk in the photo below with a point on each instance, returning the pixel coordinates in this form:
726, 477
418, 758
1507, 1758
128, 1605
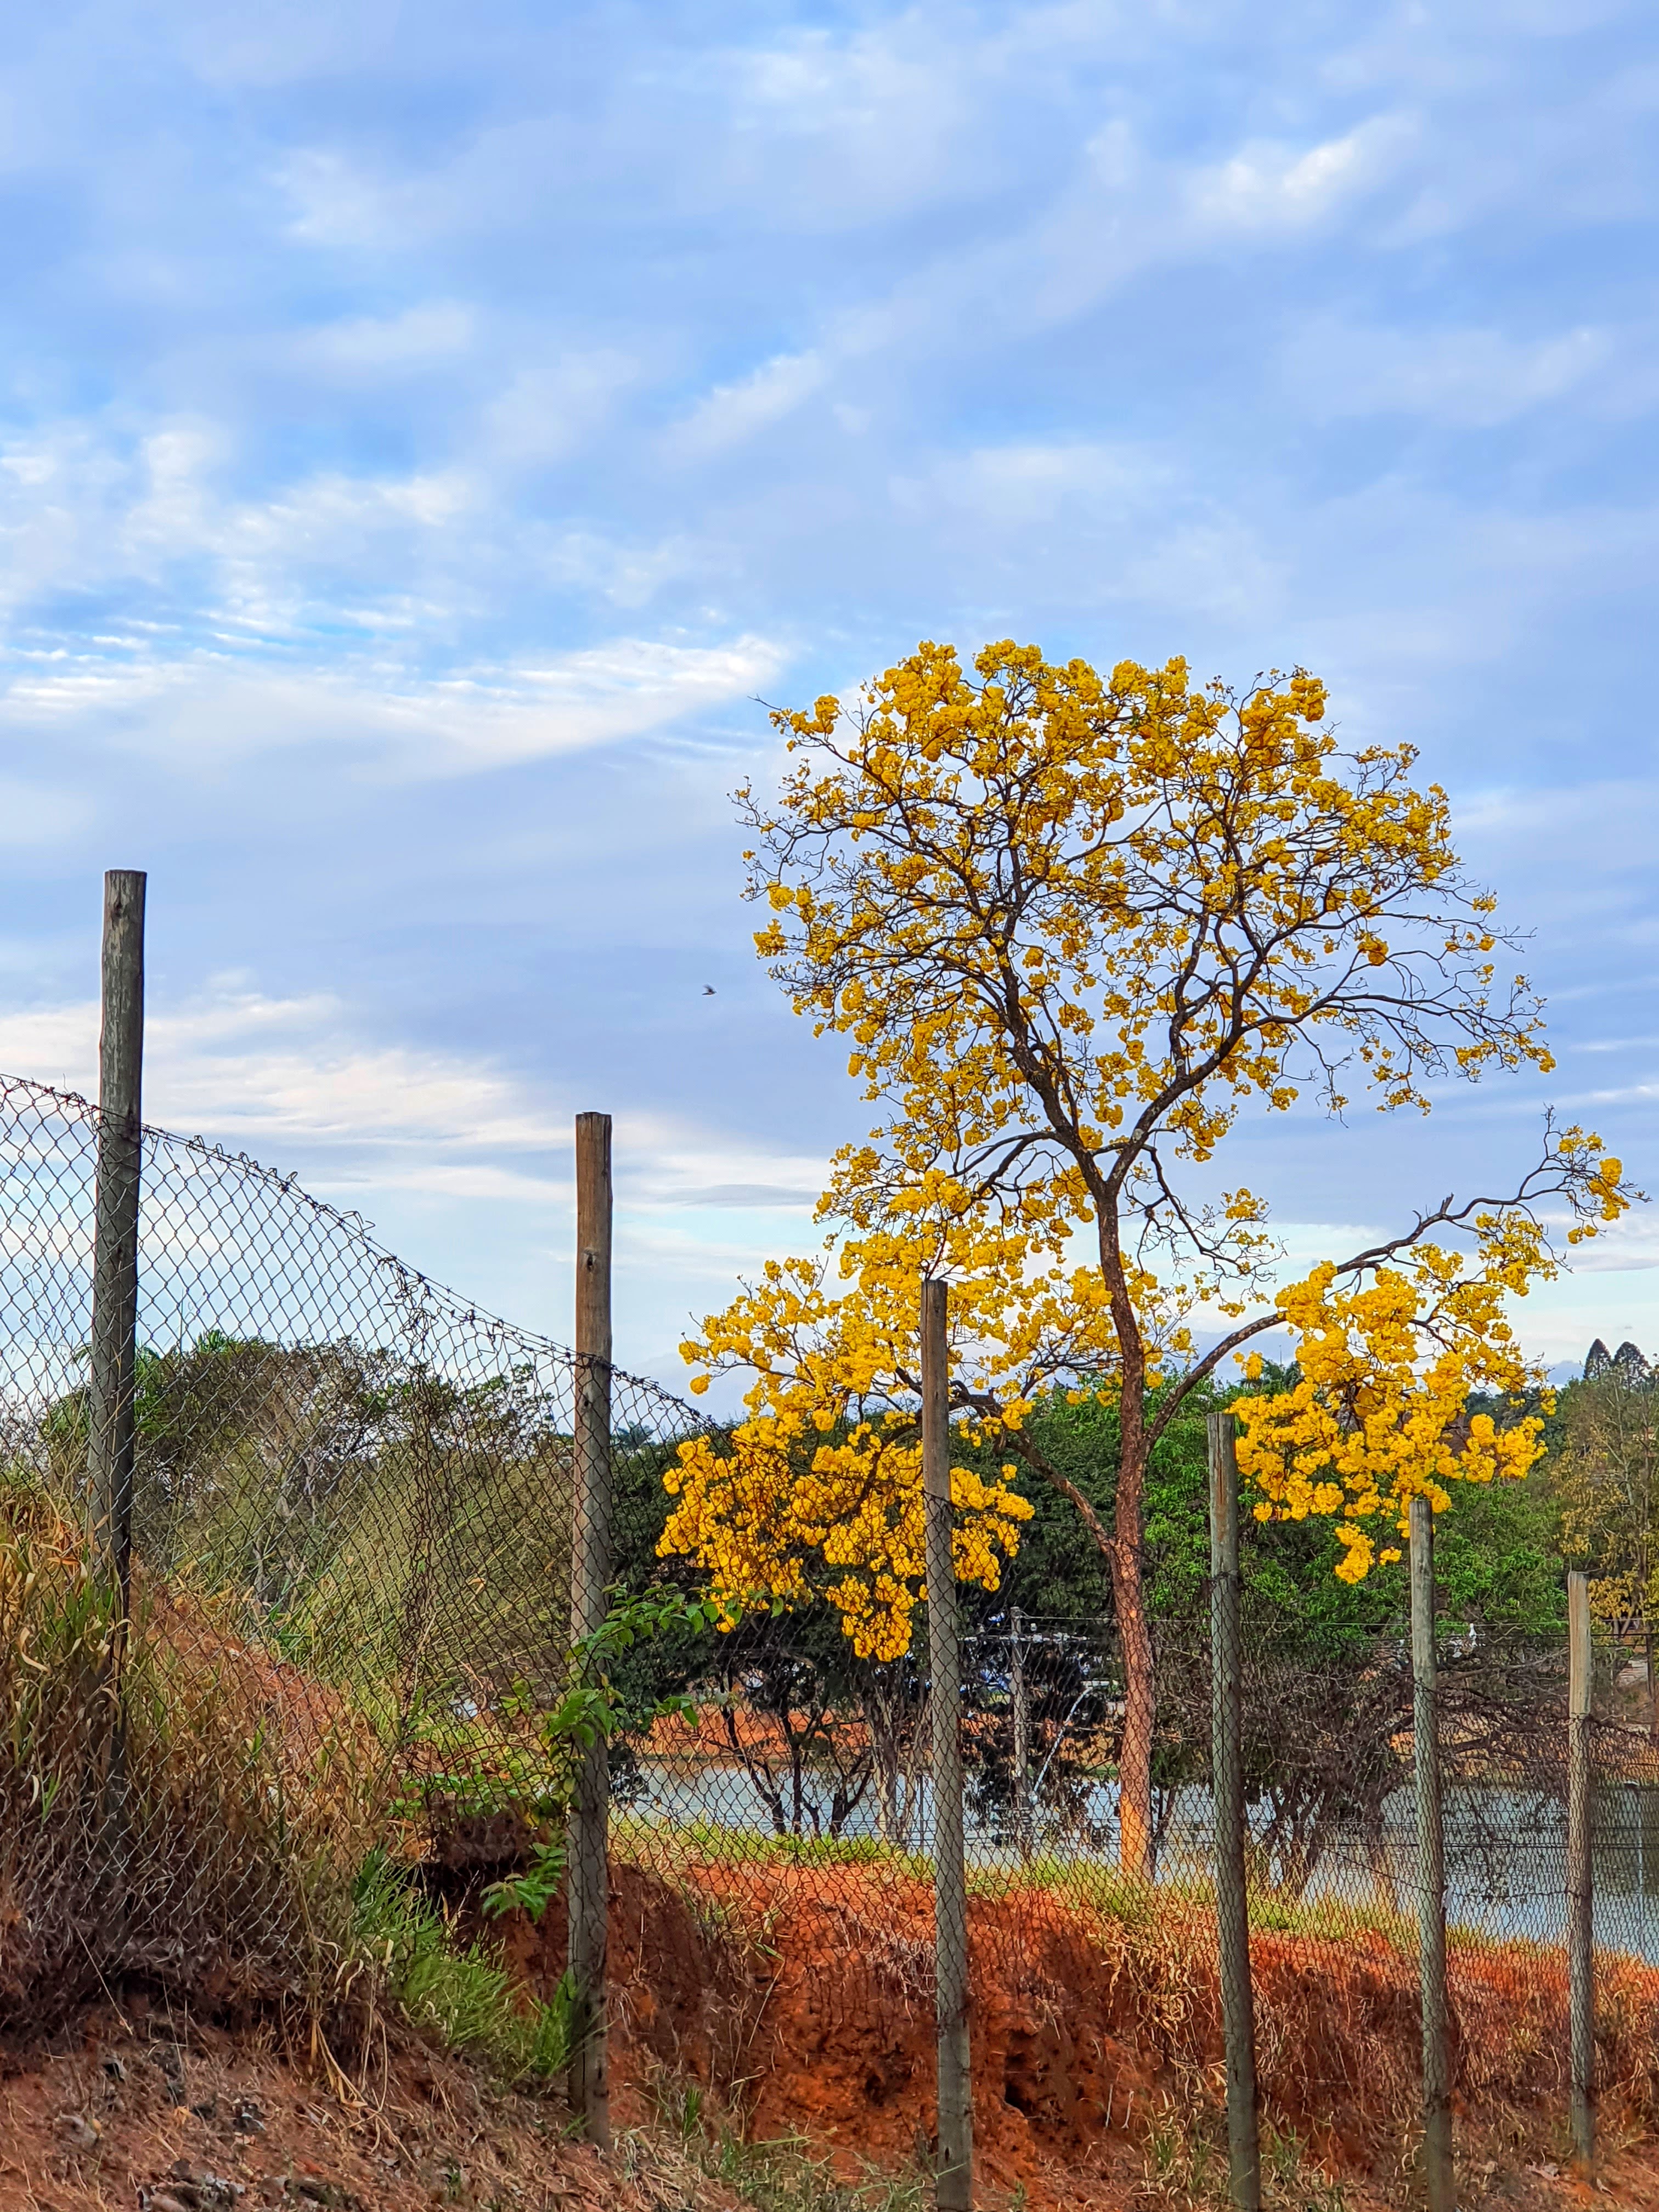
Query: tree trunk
1651, 1638
1134, 1776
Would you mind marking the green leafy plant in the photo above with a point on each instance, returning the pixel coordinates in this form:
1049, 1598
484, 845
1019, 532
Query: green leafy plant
534, 1889
461, 1994
593, 1710
594, 1705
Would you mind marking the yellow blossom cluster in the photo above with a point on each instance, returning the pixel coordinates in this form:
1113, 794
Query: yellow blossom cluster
788, 1515
1388, 1361
816, 1494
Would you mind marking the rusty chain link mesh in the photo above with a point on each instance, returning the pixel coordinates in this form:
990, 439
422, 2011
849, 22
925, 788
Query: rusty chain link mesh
798, 1807
352, 1535
352, 1518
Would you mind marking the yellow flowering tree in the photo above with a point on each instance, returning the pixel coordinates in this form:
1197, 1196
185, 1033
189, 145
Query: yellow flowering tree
1073, 927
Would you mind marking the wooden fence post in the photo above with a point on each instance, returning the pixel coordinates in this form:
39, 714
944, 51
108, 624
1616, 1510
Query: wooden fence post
110, 1433
112, 1378
1430, 1868
1581, 1986
1019, 1697
956, 2102
1227, 1788
587, 1885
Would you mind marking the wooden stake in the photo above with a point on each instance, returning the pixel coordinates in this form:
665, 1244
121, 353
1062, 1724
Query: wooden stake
111, 1437
1227, 1782
587, 1885
1581, 1984
1019, 1696
956, 2103
1430, 1869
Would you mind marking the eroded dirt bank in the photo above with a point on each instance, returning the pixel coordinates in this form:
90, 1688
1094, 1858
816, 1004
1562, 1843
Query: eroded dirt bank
797, 2000
801, 1998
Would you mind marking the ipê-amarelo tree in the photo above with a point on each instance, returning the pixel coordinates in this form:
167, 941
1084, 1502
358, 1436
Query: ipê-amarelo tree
1074, 927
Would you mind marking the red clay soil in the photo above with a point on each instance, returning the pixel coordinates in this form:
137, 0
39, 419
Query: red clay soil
1084, 2050
802, 1998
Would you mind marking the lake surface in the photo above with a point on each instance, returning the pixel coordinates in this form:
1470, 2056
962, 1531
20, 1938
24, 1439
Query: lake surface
1505, 1850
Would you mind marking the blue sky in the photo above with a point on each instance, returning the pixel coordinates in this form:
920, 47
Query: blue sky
423, 430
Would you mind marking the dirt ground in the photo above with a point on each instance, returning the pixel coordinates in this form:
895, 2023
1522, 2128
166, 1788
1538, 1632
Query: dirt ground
173, 2116
164, 2115
1096, 2067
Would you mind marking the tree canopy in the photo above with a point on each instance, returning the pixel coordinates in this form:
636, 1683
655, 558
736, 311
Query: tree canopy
1073, 928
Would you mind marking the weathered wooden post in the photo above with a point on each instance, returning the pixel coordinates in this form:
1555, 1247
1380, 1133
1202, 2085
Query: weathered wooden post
1430, 1869
956, 2102
110, 1428
1019, 1697
111, 1379
1581, 1986
588, 1880
1227, 1788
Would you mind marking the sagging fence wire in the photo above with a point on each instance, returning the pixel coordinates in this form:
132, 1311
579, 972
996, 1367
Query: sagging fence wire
355, 1508
352, 1506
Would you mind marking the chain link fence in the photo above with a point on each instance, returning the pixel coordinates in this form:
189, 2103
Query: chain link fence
354, 1501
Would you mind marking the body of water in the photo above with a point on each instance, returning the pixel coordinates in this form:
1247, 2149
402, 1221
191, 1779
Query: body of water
1505, 1850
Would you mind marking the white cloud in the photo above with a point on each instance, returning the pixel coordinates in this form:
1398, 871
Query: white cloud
1266, 187
613, 690
241, 1065
731, 412
685, 1164
214, 706
84, 509
334, 201
1471, 378
457, 1152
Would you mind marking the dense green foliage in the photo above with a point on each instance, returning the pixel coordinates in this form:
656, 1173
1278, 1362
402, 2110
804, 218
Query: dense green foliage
1496, 1557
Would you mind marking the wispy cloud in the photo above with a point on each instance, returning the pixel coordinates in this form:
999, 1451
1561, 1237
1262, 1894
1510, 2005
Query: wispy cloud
215, 703
1473, 378
731, 412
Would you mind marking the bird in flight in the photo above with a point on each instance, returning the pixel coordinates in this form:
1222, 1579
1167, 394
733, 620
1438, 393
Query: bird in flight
708, 990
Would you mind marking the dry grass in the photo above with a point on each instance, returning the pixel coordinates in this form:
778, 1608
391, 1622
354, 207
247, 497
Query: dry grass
208, 1841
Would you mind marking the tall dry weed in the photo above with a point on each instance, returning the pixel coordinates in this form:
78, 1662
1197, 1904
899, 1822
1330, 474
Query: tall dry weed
172, 1804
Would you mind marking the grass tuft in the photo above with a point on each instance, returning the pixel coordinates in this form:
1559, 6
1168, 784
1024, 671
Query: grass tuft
461, 1994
